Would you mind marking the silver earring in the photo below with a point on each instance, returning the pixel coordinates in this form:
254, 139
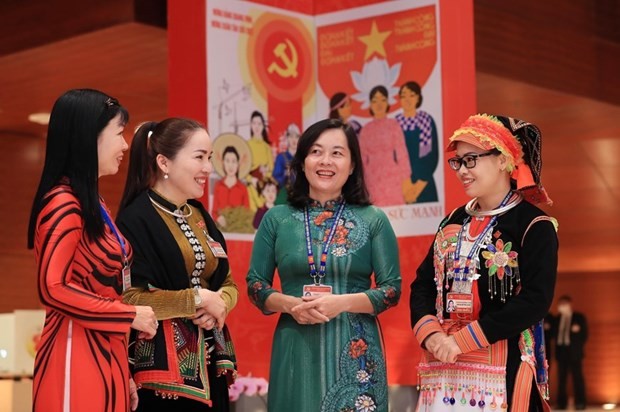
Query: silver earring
166, 176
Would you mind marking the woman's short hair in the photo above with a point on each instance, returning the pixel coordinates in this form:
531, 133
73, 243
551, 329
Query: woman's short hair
354, 189
414, 87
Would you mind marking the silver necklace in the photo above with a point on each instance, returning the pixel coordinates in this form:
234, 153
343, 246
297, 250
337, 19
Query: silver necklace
472, 205
176, 213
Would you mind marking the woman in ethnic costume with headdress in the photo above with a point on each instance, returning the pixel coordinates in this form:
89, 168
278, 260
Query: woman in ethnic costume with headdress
496, 258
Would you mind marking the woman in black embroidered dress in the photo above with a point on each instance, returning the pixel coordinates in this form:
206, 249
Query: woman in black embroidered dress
180, 268
496, 259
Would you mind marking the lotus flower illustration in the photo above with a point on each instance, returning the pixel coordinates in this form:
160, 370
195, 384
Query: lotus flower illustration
374, 73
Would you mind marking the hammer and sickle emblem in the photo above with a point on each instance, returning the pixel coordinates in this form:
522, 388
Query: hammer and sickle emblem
290, 62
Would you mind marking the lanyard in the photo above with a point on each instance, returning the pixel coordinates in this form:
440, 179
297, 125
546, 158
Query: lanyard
108, 222
322, 264
476, 246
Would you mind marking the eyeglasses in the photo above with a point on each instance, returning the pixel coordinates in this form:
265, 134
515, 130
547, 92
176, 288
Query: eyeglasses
468, 160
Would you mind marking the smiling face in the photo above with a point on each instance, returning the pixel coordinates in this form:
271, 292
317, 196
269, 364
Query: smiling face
270, 192
488, 180
328, 165
231, 164
257, 126
379, 105
344, 111
189, 170
111, 145
409, 100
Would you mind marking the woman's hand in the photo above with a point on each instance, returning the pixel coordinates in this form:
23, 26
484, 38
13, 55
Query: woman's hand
145, 322
133, 394
214, 305
279, 302
328, 306
204, 320
308, 316
443, 347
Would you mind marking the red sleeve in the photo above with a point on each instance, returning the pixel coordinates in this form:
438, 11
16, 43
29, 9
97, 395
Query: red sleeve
58, 234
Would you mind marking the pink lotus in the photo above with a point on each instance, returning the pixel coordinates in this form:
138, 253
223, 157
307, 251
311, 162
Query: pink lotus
249, 386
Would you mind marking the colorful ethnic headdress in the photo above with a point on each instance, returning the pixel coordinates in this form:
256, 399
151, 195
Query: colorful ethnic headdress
518, 140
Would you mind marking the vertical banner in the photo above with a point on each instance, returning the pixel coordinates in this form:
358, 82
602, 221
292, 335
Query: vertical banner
400, 72
379, 68
261, 80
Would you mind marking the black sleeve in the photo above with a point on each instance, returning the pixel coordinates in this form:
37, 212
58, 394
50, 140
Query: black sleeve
538, 262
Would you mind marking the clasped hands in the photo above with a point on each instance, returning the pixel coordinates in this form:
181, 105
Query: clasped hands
145, 322
443, 347
212, 311
311, 310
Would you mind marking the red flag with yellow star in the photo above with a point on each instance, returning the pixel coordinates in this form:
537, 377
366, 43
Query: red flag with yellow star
388, 50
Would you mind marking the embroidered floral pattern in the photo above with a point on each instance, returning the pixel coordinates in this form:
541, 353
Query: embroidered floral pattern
340, 242
323, 216
390, 297
362, 376
350, 235
365, 403
500, 259
357, 348
361, 359
256, 289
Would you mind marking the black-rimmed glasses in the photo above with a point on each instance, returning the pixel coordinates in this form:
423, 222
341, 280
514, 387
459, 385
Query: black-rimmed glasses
468, 160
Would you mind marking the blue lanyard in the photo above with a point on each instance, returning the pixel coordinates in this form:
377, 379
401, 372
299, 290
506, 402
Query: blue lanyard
323, 263
479, 240
108, 222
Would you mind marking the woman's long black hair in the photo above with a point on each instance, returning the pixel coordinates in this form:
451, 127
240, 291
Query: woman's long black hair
77, 119
151, 139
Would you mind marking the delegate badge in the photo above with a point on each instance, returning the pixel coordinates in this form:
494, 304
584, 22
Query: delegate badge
317, 290
216, 248
126, 273
459, 302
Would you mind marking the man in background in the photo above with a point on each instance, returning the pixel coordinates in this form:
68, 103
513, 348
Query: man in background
572, 333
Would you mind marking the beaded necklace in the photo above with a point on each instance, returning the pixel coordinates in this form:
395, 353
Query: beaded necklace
318, 276
200, 257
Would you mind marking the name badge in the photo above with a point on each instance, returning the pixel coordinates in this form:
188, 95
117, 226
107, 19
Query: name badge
459, 302
317, 290
217, 249
126, 273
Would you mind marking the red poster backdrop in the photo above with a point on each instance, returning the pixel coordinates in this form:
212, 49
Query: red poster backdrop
251, 330
407, 38
283, 74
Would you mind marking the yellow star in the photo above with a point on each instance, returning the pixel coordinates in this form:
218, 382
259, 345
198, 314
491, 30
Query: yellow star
374, 41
